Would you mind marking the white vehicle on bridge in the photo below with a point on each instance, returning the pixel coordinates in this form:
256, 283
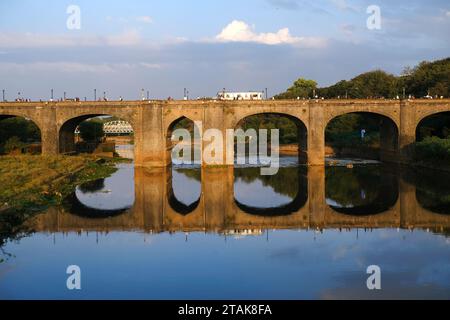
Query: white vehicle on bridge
249, 95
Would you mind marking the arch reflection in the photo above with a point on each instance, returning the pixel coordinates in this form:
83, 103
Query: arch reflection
432, 189
282, 194
361, 191
184, 189
104, 198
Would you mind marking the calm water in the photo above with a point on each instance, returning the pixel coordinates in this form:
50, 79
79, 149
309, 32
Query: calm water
187, 233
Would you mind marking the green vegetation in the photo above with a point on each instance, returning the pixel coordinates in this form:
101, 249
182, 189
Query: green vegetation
17, 133
428, 78
302, 88
374, 84
431, 78
433, 146
433, 149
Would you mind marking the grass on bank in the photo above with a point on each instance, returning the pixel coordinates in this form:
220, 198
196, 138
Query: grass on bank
36, 182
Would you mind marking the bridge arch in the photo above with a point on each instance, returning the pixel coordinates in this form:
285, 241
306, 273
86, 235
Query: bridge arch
66, 129
181, 122
18, 114
287, 136
432, 108
30, 130
388, 129
433, 124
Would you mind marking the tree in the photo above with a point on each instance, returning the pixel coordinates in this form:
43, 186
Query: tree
91, 131
301, 88
429, 78
373, 84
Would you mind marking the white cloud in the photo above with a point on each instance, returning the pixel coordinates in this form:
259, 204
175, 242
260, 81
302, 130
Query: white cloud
144, 19
239, 31
447, 14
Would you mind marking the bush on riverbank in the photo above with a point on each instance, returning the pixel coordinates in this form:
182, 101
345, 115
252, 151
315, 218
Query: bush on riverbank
433, 149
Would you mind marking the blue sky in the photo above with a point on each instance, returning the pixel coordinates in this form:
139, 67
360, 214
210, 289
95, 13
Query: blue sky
164, 46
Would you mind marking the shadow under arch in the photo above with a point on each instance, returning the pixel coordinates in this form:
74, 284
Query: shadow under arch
287, 134
383, 198
295, 205
369, 121
27, 130
66, 132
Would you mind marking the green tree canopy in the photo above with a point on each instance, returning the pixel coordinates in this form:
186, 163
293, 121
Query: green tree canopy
302, 88
431, 78
373, 84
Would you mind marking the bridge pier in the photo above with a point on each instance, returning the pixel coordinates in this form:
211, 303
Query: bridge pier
316, 136
407, 135
150, 137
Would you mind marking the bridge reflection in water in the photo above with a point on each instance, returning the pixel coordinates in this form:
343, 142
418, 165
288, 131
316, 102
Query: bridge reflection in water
379, 198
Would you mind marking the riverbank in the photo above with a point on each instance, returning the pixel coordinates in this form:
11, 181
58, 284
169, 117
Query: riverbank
33, 183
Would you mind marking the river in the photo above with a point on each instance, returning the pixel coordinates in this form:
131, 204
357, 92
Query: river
191, 233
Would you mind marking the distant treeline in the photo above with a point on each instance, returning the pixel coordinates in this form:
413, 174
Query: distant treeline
426, 79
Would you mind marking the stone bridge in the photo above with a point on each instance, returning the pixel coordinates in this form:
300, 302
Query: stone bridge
217, 209
152, 122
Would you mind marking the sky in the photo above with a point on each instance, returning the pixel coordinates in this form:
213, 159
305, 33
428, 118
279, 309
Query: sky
122, 47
